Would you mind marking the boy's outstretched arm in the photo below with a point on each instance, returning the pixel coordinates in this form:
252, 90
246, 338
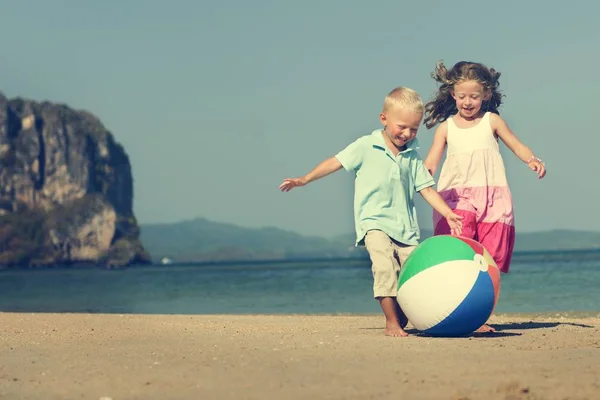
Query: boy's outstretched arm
437, 203
327, 167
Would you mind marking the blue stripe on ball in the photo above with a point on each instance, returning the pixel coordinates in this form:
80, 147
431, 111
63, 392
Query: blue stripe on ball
472, 313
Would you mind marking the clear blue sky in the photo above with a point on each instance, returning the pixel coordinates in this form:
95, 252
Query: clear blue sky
217, 102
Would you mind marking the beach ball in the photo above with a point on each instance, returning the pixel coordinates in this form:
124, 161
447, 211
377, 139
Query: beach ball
448, 286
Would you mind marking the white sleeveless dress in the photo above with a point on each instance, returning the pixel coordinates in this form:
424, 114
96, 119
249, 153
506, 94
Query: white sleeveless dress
473, 183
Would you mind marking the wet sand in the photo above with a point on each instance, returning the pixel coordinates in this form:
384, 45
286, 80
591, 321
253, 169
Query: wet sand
99, 356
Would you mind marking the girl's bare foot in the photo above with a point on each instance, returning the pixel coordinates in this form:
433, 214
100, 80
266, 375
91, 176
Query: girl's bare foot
485, 328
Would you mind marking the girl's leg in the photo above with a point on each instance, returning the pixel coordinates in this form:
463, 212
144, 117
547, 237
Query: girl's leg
469, 231
498, 239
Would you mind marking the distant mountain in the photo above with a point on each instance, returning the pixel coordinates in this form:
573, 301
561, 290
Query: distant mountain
559, 239
201, 239
204, 240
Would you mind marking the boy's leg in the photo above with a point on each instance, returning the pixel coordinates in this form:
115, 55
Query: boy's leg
402, 252
391, 310
385, 268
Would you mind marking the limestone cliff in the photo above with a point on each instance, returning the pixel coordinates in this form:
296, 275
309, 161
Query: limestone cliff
66, 189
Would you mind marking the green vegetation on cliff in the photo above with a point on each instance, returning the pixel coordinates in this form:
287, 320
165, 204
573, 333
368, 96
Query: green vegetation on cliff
66, 190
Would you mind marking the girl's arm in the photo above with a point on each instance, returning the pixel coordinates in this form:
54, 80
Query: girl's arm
520, 150
432, 161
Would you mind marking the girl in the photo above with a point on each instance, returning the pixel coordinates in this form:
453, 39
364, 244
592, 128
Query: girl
473, 180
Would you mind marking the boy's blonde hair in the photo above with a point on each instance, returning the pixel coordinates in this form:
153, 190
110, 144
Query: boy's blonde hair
404, 98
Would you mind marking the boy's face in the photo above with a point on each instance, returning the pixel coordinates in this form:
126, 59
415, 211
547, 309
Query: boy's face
400, 125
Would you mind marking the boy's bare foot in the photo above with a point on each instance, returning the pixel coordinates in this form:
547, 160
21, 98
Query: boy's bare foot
391, 310
394, 330
485, 328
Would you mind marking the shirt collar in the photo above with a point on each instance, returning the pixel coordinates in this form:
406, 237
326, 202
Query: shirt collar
379, 141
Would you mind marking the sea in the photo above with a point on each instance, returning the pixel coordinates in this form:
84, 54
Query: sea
538, 283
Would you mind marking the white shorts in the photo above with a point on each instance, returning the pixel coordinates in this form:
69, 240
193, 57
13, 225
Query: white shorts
387, 256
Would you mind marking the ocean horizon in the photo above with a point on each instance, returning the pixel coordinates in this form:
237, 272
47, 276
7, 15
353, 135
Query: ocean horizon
539, 282
589, 253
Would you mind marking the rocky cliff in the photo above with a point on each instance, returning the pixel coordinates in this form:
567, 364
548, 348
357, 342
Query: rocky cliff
66, 189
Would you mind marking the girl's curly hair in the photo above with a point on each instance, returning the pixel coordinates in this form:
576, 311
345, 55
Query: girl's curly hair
443, 105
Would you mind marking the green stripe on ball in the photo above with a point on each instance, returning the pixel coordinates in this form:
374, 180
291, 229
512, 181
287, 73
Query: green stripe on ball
433, 251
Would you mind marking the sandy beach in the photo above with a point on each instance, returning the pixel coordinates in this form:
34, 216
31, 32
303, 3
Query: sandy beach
99, 356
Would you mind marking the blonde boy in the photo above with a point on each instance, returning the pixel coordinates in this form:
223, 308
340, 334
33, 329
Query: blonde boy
388, 172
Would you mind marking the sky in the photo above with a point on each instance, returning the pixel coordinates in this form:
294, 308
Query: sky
217, 102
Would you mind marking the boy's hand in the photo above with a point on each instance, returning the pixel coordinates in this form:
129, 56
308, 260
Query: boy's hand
327, 167
454, 221
290, 183
437, 203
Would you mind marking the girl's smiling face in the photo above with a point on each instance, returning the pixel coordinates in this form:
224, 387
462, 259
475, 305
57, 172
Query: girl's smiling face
469, 96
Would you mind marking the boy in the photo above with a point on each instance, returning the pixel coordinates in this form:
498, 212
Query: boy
388, 172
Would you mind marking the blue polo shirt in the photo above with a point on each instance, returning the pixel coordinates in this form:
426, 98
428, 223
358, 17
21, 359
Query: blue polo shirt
385, 187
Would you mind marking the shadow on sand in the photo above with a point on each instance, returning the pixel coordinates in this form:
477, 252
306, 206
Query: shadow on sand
535, 325
414, 332
486, 335
501, 328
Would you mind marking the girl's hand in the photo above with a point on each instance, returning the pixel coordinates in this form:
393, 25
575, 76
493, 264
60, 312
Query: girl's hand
538, 167
290, 183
